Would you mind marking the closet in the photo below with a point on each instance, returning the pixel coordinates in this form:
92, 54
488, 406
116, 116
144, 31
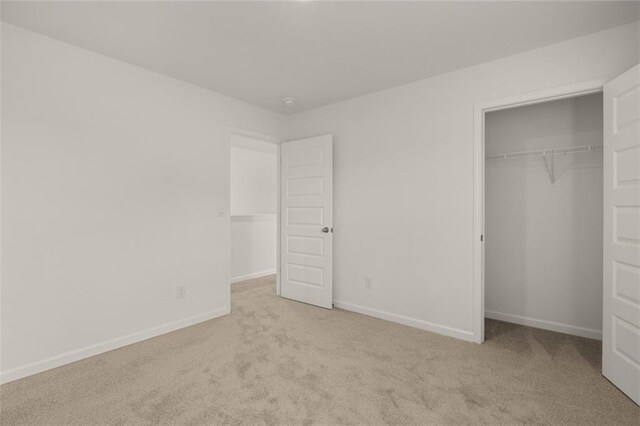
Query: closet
543, 215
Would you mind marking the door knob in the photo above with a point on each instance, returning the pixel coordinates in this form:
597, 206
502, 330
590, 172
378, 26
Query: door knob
325, 230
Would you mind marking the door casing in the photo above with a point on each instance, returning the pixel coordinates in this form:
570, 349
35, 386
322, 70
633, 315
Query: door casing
480, 109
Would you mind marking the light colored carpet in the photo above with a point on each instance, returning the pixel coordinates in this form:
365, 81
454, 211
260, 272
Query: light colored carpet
275, 361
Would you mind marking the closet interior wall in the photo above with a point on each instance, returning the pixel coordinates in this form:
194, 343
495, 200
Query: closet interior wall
543, 217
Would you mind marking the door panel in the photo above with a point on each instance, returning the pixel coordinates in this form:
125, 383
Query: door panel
621, 297
307, 208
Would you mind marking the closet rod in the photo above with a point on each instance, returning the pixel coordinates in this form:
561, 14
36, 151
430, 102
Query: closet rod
544, 152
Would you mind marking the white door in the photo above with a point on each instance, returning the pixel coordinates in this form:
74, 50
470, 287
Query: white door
306, 221
621, 309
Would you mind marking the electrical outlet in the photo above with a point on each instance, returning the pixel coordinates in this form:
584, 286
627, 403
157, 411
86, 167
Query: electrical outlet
368, 283
181, 292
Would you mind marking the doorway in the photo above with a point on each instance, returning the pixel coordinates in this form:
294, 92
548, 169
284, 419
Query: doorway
480, 112
544, 216
253, 208
267, 177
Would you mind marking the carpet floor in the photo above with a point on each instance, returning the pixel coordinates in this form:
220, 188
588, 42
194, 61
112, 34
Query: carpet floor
275, 361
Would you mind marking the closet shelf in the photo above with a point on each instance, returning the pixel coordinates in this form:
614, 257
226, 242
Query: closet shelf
547, 155
544, 152
254, 215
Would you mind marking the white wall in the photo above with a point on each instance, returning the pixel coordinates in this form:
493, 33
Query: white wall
112, 177
253, 208
253, 246
253, 180
403, 179
543, 240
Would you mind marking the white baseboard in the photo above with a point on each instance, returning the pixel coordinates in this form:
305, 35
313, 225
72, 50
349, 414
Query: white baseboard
411, 322
253, 275
98, 348
545, 325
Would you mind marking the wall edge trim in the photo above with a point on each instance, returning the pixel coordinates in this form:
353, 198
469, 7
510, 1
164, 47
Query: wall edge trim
408, 321
558, 327
253, 275
106, 346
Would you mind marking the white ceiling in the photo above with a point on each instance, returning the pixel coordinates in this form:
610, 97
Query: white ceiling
317, 52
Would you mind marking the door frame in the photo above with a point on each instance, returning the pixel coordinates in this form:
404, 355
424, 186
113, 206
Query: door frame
480, 110
232, 130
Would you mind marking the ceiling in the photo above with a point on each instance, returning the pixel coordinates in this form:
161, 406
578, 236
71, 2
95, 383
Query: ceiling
317, 52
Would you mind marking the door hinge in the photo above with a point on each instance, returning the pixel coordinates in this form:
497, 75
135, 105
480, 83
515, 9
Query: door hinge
481, 237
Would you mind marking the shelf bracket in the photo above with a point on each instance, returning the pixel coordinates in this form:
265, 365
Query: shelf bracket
551, 169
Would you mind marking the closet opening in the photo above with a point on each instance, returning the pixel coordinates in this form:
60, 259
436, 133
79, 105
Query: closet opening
543, 217
253, 214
